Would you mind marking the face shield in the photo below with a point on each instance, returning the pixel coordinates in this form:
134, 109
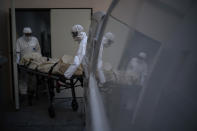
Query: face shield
76, 32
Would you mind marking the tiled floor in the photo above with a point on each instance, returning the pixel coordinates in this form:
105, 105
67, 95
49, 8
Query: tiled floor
36, 118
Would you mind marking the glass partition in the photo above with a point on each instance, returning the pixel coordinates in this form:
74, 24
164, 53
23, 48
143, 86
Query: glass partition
141, 31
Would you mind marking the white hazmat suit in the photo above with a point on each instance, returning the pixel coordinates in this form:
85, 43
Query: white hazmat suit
81, 38
25, 45
107, 40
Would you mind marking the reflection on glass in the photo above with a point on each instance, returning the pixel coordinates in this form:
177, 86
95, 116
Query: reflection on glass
138, 69
107, 41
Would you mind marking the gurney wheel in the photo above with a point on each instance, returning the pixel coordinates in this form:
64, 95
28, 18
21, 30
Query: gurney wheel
51, 111
74, 105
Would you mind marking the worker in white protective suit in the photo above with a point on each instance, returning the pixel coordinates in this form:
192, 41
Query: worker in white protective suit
80, 36
107, 41
26, 44
138, 68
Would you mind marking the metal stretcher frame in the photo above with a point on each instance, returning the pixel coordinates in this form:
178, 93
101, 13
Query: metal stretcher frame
60, 81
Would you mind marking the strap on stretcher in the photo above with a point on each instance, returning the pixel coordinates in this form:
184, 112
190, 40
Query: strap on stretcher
27, 65
51, 69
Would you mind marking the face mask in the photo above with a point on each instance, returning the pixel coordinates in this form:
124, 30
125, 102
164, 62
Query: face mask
78, 37
27, 38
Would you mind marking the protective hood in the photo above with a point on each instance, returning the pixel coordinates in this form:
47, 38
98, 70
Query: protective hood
108, 39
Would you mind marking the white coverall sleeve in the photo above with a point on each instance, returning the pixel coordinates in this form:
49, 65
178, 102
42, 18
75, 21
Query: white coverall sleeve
17, 51
77, 59
38, 50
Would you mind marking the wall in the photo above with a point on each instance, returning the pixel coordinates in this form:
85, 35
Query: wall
152, 17
95, 4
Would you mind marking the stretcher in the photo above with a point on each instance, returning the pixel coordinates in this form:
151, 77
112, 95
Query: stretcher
54, 81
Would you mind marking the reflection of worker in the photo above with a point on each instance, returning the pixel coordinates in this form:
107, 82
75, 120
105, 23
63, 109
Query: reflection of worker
107, 40
138, 68
26, 44
79, 36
